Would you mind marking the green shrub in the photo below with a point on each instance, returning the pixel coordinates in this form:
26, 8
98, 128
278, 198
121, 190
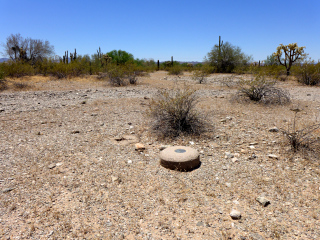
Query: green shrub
308, 73
175, 70
199, 76
116, 76
261, 89
173, 112
18, 69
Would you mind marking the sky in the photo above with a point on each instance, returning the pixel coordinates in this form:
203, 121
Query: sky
184, 29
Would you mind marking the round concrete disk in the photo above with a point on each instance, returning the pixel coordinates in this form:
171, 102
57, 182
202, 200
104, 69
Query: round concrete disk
179, 158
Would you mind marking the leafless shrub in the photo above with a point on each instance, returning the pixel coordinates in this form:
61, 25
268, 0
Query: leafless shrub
261, 89
199, 76
20, 85
3, 85
174, 113
229, 81
303, 139
132, 76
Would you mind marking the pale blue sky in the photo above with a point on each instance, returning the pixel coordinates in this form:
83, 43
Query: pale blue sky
186, 30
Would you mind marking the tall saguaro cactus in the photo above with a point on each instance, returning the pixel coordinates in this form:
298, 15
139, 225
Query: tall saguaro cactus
219, 53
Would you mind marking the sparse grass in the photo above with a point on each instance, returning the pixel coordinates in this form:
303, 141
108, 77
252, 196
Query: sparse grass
174, 112
199, 76
261, 89
175, 70
304, 138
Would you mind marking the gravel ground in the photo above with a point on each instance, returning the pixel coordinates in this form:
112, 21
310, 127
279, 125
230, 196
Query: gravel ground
63, 176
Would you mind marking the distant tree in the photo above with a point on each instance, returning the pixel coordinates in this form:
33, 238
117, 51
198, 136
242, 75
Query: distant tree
291, 54
120, 57
271, 60
19, 48
225, 57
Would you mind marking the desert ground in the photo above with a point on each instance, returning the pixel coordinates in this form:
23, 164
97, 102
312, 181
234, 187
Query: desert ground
67, 172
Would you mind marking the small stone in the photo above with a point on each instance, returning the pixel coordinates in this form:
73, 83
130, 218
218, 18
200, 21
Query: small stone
192, 143
263, 201
228, 184
162, 147
274, 129
235, 214
273, 156
252, 147
7, 190
200, 224
52, 165
223, 120
139, 147
74, 132
129, 161
235, 159
59, 164
228, 155
115, 179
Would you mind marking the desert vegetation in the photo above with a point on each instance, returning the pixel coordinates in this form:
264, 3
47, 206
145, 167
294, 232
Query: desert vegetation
81, 137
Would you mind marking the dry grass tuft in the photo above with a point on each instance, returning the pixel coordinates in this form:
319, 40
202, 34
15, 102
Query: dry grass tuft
174, 112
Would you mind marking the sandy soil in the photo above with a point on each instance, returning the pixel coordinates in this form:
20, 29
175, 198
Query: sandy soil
63, 176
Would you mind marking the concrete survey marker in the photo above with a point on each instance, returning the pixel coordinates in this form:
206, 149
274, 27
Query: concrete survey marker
180, 158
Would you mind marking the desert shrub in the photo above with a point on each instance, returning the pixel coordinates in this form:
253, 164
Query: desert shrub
59, 70
3, 84
21, 85
18, 69
302, 139
175, 70
208, 69
261, 89
308, 73
199, 76
116, 76
174, 113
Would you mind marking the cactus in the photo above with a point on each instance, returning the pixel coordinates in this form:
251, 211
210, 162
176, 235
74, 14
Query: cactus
75, 54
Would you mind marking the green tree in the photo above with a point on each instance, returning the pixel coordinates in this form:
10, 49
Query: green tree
120, 57
271, 60
225, 57
291, 54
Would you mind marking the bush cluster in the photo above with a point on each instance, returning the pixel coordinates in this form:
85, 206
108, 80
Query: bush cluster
174, 113
261, 89
308, 73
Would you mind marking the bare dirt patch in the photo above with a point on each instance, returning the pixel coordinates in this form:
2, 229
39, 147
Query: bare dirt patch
63, 175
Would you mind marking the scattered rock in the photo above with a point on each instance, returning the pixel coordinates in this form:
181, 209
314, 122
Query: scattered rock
129, 161
74, 132
139, 147
228, 155
256, 236
162, 147
52, 165
273, 156
228, 184
263, 201
200, 224
235, 159
115, 179
125, 140
274, 129
235, 214
7, 190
